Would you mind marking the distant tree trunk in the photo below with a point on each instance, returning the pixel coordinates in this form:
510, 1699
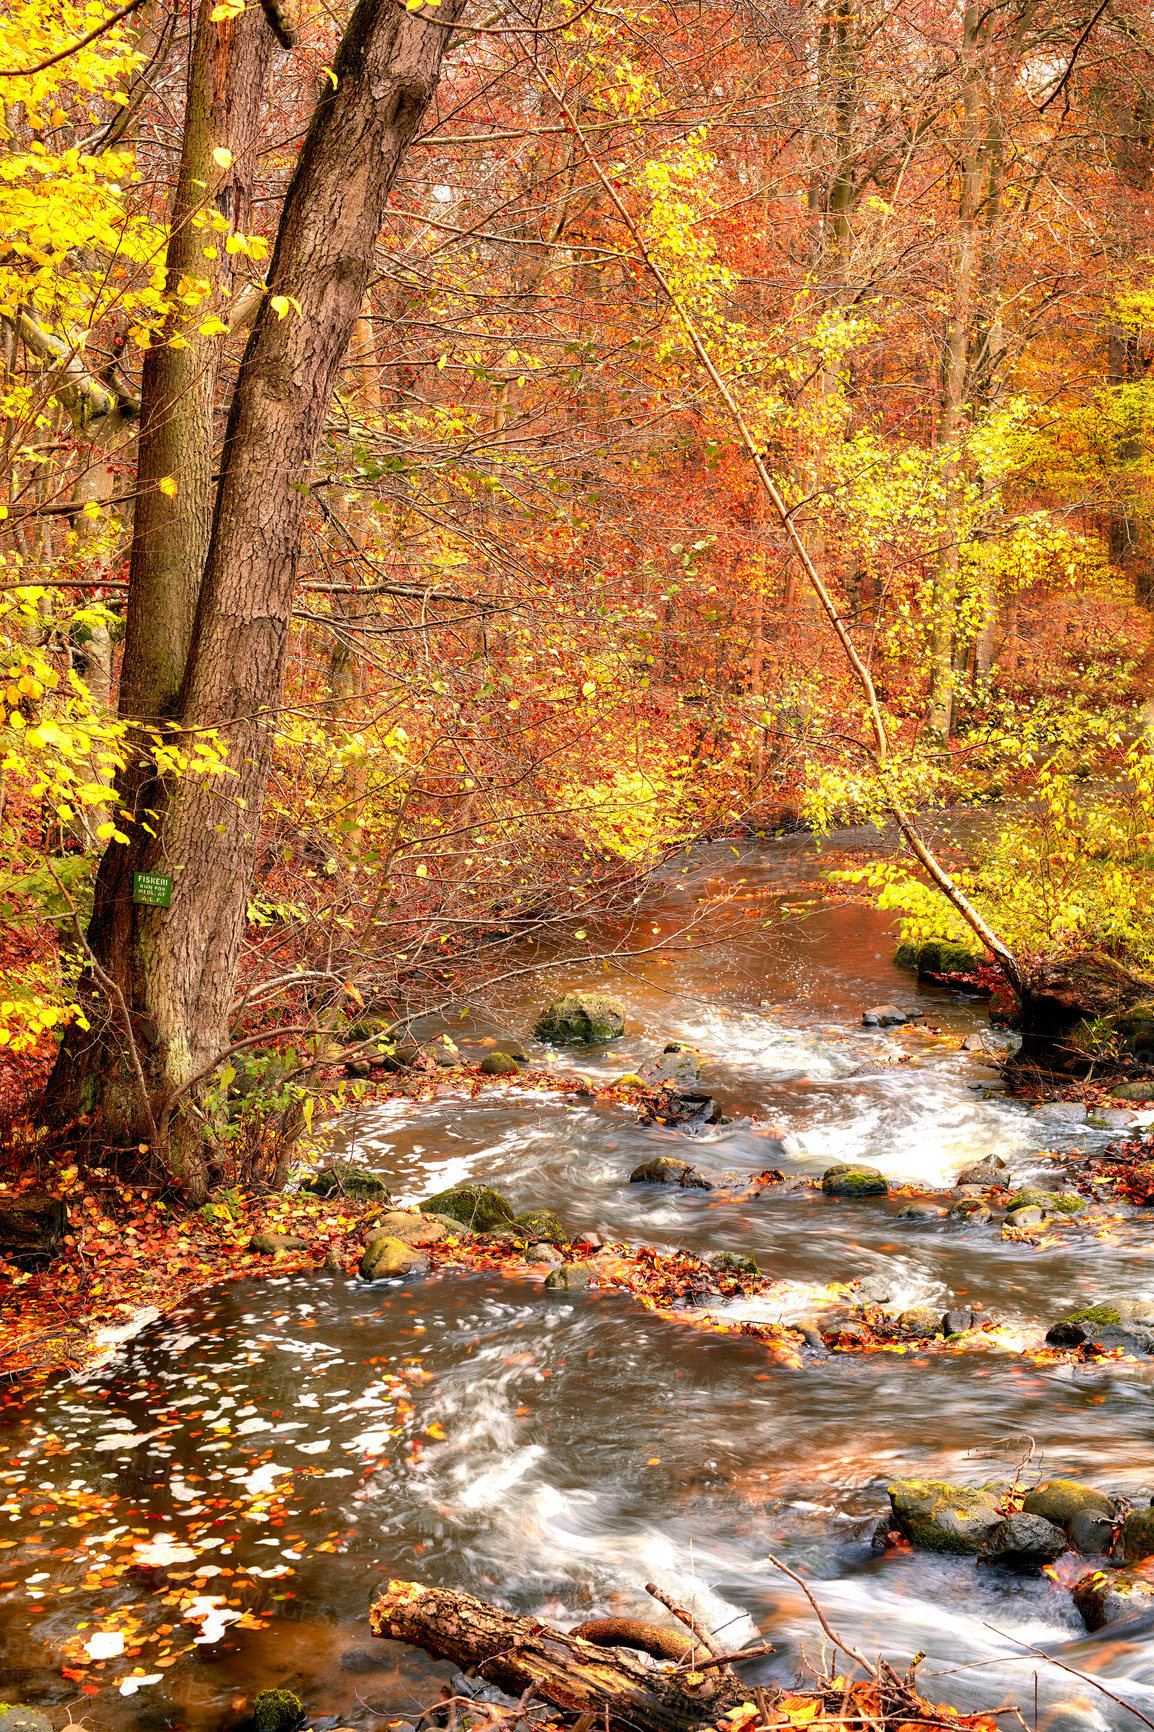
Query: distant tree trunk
955, 375
183, 969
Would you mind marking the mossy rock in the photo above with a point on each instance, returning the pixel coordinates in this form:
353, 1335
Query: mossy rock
581, 1019
631, 1080
1054, 1201
499, 1064
541, 1226
1103, 1313
946, 956
906, 955
277, 1711
1135, 1028
1060, 1500
343, 1179
477, 1206
938, 1517
854, 1181
733, 1263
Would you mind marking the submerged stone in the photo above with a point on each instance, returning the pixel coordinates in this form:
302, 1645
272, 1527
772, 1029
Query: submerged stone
580, 1019
276, 1711
883, 1016
667, 1170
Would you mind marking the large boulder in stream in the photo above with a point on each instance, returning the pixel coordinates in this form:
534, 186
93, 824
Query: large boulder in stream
1061, 1500
945, 1518
499, 1064
1107, 1597
580, 1019
477, 1206
851, 1179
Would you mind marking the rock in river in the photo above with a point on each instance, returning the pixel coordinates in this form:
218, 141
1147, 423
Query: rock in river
1025, 1544
923, 1212
580, 1019
991, 1171
541, 1225
477, 1206
571, 1275
854, 1181
384, 1257
1136, 1537
921, 1321
667, 1170
411, 1229
883, 1016
1060, 1500
1105, 1597
276, 1711
945, 1518
499, 1064
1125, 1325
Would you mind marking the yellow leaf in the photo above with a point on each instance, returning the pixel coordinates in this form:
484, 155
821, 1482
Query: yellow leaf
221, 157
213, 327
279, 305
92, 509
167, 485
106, 832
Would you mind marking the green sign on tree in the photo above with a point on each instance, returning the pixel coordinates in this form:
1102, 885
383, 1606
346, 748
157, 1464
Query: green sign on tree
152, 888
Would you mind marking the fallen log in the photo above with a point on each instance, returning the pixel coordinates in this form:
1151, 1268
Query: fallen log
575, 1675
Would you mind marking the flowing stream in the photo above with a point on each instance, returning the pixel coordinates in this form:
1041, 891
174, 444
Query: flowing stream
281, 1446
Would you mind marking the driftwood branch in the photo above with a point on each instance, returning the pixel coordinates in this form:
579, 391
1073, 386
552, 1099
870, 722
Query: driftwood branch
566, 1670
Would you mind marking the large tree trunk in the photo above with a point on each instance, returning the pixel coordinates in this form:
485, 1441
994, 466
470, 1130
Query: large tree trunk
170, 537
519, 1654
183, 968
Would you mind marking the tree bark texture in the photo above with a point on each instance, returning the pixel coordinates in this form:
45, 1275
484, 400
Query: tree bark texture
170, 535
183, 963
519, 1654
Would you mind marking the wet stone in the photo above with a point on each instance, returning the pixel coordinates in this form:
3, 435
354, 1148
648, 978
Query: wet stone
571, 1276
542, 1252
1025, 1544
1142, 1090
923, 1212
499, 1064
1136, 1537
971, 1212
1106, 1597
17, 1718
923, 1322
1025, 1217
276, 1711
667, 1170
1089, 1533
476, 1206
581, 1019
1061, 1112
884, 1016
1060, 1500
854, 1181
984, 1173
959, 1321
541, 1224
387, 1257
939, 1517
